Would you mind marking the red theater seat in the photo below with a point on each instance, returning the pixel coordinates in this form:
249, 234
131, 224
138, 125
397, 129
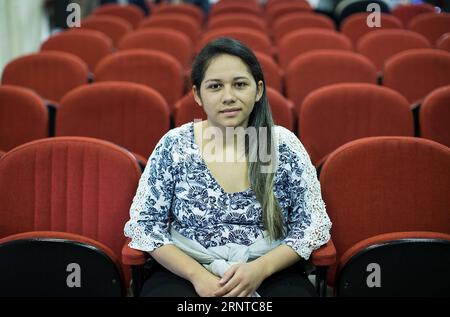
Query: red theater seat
50, 74
23, 117
155, 69
130, 115
89, 45
85, 187
173, 42
434, 116
130, 13
336, 114
443, 43
272, 72
256, 40
380, 45
306, 40
431, 25
178, 22
319, 68
184, 8
238, 20
300, 20
380, 175
416, 73
406, 12
355, 25
111, 26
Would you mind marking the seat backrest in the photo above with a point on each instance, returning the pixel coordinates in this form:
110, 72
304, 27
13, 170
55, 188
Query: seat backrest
443, 43
238, 20
89, 45
380, 45
275, 12
23, 117
184, 8
152, 68
368, 185
236, 7
281, 108
336, 114
50, 74
434, 116
257, 41
69, 184
319, 68
416, 73
300, 20
111, 26
179, 22
431, 25
273, 74
273, 3
187, 110
165, 40
253, 4
301, 41
131, 115
130, 13
355, 26
406, 12
373, 267
68, 265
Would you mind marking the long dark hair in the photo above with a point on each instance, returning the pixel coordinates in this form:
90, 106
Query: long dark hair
262, 184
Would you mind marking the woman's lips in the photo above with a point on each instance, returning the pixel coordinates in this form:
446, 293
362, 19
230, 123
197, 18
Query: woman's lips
231, 112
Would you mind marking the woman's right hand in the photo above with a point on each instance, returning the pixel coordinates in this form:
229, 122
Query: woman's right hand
206, 283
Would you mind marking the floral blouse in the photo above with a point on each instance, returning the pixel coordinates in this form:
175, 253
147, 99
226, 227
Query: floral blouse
177, 189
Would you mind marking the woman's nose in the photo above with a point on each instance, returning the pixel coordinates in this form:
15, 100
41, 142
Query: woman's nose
228, 96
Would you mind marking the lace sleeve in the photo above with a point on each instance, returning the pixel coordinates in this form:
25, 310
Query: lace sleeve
148, 226
308, 225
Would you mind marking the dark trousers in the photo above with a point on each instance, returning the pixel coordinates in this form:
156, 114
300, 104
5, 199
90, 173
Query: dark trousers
290, 282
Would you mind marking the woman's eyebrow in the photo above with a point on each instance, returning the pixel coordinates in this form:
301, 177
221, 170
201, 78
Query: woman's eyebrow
235, 78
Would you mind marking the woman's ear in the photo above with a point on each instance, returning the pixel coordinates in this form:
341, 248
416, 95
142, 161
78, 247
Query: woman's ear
196, 94
259, 90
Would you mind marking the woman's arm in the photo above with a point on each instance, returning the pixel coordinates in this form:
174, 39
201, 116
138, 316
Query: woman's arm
181, 264
277, 259
244, 279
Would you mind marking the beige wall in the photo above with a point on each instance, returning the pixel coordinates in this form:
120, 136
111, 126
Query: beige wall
22, 27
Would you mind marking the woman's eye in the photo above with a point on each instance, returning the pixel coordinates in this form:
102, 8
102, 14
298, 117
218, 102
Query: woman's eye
214, 86
241, 84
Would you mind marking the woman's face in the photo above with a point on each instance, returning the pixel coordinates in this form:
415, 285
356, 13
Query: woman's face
228, 92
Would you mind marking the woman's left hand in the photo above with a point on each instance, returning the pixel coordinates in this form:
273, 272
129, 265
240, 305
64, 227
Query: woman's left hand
241, 280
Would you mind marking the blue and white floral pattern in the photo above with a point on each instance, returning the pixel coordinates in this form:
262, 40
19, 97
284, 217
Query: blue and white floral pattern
177, 189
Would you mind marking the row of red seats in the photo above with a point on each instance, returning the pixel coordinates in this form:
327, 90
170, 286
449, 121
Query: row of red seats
378, 46
253, 31
272, 12
136, 117
75, 193
183, 19
413, 73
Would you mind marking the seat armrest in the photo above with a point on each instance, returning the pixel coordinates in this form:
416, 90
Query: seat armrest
132, 256
325, 255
